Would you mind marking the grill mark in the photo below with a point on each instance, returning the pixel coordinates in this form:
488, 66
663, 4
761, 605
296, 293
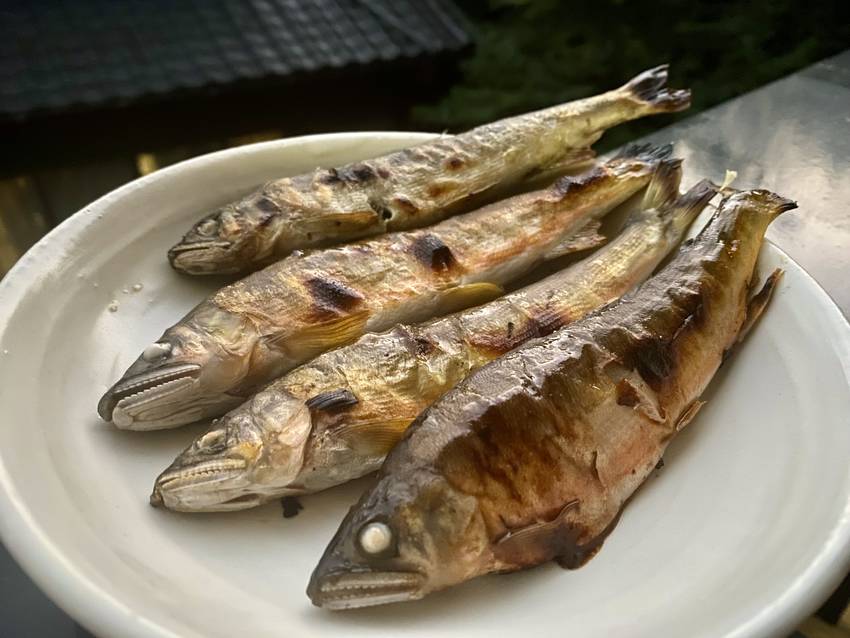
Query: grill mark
331, 176
416, 344
653, 355
423, 345
652, 350
353, 174
265, 219
360, 173
433, 253
266, 204
535, 326
454, 163
572, 184
404, 204
436, 189
331, 297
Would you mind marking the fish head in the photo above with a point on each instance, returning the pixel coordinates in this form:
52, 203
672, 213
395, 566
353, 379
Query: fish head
194, 371
403, 540
250, 455
232, 239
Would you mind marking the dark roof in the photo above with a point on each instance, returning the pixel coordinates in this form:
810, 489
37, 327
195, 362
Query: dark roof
57, 54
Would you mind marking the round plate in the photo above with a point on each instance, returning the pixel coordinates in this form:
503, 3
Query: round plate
742, 533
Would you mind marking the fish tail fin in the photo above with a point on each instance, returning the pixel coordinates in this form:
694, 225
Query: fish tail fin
650, 89
664, 186
645, 152
685, 208
645, 156
771, 203
765, 204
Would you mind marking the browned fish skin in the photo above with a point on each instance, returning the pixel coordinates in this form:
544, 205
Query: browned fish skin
413, 187
253, 331
335, 418
532, 458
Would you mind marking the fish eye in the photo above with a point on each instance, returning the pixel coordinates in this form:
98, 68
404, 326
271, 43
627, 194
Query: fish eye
156, 351
375, 538
208, 227
212, 439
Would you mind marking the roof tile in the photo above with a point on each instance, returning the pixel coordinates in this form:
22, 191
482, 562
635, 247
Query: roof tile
57, 54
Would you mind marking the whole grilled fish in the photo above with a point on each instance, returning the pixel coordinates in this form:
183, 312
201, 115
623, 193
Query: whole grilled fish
413, 187
531, 458
335, 418
253, 331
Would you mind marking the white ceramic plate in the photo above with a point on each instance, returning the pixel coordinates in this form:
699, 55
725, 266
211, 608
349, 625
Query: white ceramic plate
741, 534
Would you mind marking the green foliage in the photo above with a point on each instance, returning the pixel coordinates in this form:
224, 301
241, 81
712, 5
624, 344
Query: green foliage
535, 53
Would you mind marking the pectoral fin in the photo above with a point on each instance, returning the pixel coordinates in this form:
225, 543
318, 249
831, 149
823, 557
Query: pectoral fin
537, 542
468, 295
323, 335
373, 439
584, 238
332, 400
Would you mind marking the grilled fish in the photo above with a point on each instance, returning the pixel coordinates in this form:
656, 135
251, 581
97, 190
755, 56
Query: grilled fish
413, 187
532, 457
335, 418
253, 331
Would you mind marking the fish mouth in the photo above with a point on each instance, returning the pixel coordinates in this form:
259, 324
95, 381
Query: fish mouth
199, 487
351, 590
129, 401
198, 245
204, 258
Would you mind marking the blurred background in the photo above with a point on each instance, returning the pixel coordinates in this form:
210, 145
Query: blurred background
94, 93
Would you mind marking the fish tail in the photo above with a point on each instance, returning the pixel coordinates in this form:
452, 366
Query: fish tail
646, 152
685, 208
772, 203
664, 186
650, 89
757, 208
765, 202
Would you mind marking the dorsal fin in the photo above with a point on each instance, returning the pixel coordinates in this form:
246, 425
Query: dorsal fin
375, 438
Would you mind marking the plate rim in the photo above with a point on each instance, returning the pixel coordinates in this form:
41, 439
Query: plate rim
94, 607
